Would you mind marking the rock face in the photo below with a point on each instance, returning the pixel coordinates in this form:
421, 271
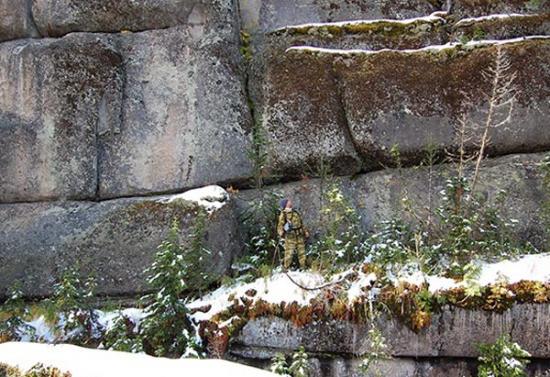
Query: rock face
185, 120
454, 333
359, 104
112, 240
95, 116
268, 15
469, 8
59, 17
54, 94
16, 20
377, 196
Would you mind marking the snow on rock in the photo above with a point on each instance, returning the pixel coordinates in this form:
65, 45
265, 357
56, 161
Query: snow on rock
83, 362
472, 20
529, 267
211, 198
437, 16
432, 48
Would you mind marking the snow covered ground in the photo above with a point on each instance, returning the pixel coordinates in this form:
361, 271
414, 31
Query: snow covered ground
84, 362
279, 287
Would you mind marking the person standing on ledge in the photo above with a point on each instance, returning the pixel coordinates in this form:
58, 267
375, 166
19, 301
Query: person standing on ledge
292, 229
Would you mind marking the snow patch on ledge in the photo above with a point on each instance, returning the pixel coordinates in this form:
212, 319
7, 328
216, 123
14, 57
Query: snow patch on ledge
529, 268
84, 362
433, 48
469, 21
211, 198
434, 17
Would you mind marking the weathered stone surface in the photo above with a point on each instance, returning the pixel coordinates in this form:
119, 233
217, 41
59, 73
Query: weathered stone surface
372, 101
503, 27
453, 333
58, 17
414, 99
267, 15
377, 196
113, 240
54, 96
304, 119
15, 20
474, 8
334, 365
185, 118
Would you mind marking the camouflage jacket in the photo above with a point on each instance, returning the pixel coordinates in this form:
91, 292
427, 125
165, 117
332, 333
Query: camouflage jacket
295, 225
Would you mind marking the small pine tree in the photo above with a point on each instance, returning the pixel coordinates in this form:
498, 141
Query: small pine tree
299, 366
78, 323
13, 327
503, 358
279, 365
122, 336
165, 329
196, 257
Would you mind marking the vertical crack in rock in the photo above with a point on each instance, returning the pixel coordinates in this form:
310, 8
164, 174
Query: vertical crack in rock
345, 120
31, 24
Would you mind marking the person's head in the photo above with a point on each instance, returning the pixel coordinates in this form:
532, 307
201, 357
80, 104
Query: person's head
286, 203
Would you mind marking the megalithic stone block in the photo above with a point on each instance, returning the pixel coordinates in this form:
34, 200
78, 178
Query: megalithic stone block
54, 97
114, 241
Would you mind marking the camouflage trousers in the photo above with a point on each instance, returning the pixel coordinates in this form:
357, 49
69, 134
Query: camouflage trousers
292, 245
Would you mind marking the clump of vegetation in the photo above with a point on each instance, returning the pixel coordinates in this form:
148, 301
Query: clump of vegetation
299, 366
37, 370
378, 352
341, 236
503, 358
12, 314
279, 365
123, 335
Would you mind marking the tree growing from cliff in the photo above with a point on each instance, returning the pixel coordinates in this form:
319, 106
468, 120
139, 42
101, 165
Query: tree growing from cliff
500, 99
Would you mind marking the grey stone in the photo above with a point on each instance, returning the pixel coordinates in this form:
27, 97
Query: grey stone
185, 119
304, 119
16, 20
54, 95
513, 26
338, 105
467, 8
58, 17
111, 240
267, 15
455, 333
